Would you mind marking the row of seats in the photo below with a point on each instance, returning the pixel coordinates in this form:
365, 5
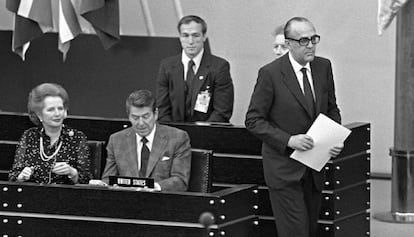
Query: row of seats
201, 160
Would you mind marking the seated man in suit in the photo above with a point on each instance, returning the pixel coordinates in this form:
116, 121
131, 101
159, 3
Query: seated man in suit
194, 85
169, 148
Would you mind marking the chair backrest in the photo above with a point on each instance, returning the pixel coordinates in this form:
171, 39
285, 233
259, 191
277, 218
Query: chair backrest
96, 149
201, 169
7, 150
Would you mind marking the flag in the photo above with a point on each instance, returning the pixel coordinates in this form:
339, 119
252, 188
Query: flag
104, 17
387, 9
71, 17
31, 20
69, 26
100, 15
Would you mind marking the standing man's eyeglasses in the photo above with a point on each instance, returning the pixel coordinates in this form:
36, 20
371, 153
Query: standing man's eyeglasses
305, 41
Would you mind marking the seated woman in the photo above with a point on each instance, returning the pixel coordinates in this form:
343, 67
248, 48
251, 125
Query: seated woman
51, 152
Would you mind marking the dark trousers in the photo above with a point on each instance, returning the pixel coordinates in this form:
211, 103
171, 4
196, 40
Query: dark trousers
296, 208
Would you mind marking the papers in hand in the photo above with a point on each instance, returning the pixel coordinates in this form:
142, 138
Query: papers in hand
325, 133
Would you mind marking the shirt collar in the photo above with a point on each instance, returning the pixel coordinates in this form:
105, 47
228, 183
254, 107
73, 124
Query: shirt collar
296, 66
150, 136
197, 59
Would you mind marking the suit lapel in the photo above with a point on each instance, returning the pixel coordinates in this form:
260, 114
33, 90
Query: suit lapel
199, 78
292, 83
131, 155
317, 85
179, 85
157, 150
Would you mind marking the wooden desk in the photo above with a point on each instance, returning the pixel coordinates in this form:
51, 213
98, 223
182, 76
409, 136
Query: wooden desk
237, 160
80, 210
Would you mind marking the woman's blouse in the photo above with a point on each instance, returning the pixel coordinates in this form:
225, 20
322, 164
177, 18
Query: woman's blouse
73, 150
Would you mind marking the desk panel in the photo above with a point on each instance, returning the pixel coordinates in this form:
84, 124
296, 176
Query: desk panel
84, 209
84, 200
16, 225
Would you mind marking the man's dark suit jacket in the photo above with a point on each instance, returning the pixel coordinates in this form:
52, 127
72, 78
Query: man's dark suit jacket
278, 110
213, 76
169, 162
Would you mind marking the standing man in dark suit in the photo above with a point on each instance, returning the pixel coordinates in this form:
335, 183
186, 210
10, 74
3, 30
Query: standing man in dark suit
194, 85
169, 158
290, 92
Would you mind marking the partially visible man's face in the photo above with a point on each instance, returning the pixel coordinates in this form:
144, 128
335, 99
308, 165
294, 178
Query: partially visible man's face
302, 54
192, 38
279, 46
142, 119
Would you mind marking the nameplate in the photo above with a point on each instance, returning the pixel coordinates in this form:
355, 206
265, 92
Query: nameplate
124, 181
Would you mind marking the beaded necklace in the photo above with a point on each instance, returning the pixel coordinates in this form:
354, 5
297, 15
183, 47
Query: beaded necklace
43, 155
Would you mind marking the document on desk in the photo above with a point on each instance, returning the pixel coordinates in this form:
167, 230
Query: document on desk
325, 133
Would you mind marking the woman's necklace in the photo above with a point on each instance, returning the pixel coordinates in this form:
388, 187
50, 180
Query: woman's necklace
43, 155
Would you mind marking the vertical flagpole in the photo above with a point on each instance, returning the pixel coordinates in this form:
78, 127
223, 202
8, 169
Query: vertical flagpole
148, 19
402, 186
178, 9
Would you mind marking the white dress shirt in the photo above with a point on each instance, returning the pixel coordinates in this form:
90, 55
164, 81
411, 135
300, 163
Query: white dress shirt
150, 139
197, 61
299, 75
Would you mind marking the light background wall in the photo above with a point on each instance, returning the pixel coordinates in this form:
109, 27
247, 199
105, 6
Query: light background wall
239, 30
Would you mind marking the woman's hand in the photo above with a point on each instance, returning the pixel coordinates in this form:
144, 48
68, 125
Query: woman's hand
63, 168
25, 174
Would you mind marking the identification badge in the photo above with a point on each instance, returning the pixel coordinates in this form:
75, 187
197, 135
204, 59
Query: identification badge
203, 100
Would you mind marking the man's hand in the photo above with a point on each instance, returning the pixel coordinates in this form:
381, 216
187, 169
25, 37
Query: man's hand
301, 142
97, 182
334, 152
157, 188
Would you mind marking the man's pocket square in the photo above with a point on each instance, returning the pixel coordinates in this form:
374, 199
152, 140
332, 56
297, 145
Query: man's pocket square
165, 158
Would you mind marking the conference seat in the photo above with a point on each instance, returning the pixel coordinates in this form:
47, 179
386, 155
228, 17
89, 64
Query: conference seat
7, 149
96, 151
200, 176
201, 170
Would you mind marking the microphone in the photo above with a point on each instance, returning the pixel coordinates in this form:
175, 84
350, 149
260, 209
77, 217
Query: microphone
206, 219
